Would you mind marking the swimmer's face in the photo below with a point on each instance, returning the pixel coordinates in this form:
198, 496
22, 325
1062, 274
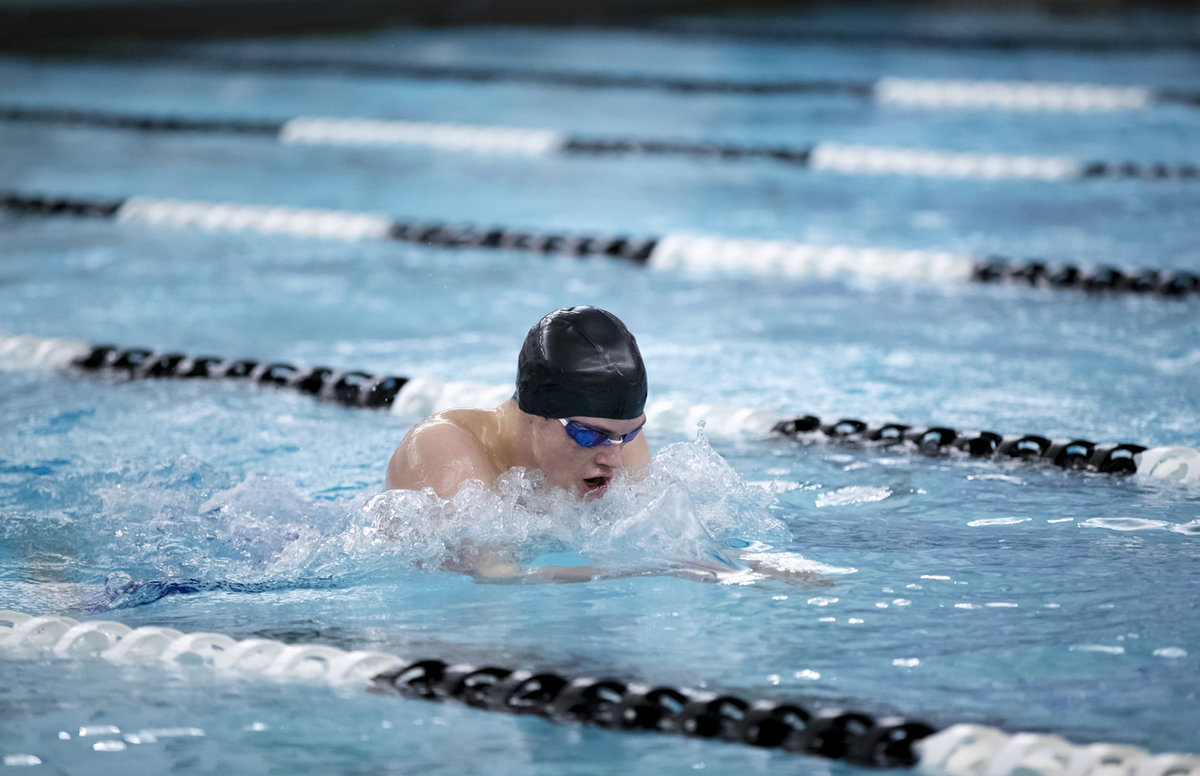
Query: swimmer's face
584, 471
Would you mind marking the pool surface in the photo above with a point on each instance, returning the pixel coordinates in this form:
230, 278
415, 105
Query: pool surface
1000, 592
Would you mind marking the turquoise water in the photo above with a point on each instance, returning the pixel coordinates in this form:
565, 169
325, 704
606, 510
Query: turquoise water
1012, 595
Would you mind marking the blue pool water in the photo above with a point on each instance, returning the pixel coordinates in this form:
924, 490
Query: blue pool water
1008, 594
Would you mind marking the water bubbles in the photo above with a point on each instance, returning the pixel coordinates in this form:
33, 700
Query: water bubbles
685, 513
188, 529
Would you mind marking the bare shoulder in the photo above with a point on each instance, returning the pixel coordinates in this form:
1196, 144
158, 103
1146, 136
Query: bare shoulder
442, 452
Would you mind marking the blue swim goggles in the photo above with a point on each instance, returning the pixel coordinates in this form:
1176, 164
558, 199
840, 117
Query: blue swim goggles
590, 436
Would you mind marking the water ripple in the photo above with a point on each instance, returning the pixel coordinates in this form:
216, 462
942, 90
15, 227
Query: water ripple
1124, 523
853, 496
998, 521
1191, 529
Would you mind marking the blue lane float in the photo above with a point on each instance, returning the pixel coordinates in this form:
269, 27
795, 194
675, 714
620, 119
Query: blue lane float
416, 397
826, 157
693, 253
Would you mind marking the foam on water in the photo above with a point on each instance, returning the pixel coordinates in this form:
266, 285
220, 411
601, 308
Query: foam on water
686, 513
187, 529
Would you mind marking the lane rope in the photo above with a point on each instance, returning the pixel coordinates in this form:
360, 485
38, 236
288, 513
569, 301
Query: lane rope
514, 141
415, 397
693, 253
908, 92
604, 702
996, 41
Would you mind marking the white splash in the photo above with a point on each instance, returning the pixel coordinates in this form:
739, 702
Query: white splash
685, 514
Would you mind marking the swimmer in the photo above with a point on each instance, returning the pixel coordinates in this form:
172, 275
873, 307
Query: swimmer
577, 415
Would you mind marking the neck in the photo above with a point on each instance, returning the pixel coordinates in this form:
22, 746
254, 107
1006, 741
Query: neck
511, 443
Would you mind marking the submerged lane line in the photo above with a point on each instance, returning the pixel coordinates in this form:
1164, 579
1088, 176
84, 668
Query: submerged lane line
515, 141
769, 258
614, 704
417, 398
926, 93
1000, 40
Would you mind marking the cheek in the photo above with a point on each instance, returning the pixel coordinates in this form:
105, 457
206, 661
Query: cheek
560, 459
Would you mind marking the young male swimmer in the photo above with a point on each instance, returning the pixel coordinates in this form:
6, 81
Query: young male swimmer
577, 415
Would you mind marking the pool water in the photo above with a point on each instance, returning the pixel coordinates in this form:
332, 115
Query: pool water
950, 590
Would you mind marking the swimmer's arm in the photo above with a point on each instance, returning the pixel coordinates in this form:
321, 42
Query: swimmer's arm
508, 573
440, 455
782, 568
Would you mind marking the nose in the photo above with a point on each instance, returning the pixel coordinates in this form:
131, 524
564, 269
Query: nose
611, 456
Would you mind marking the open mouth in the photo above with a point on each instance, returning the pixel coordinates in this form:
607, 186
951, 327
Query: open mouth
596, 485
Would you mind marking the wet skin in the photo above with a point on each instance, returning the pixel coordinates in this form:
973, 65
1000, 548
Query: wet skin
454, 446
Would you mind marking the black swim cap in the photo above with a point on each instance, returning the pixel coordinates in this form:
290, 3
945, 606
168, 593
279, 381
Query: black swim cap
581, 361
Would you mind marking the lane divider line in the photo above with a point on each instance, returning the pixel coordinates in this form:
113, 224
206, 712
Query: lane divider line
692, 253
926, 93
417, 398
1024, 40
605, 702
515, 141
